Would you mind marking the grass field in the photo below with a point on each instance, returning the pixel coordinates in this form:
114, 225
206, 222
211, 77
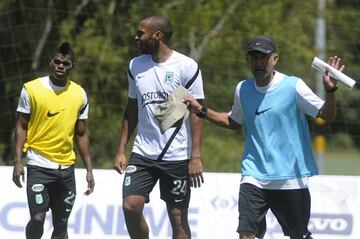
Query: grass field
342, 163
222, 150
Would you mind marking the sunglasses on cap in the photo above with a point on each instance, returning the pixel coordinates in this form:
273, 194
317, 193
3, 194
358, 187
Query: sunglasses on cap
66, 63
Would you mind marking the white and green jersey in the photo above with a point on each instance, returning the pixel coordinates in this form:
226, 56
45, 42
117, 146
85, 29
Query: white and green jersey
151, 83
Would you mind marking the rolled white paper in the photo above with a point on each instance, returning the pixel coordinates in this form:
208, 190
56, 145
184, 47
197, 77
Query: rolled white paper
321, 66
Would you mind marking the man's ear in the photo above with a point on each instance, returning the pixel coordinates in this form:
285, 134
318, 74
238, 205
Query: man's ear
157, 35
276, 57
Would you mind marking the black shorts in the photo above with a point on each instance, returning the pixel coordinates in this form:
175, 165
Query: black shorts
290, 207
142, 174
50, 188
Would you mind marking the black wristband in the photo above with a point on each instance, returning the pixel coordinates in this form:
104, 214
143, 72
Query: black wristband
203, 112
332, 90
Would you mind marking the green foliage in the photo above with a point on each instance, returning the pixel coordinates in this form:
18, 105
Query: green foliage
340, 162
213, 32
342, 141
221, 149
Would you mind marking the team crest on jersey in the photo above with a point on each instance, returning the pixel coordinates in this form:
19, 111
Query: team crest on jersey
39, 199
127, 180
169, 77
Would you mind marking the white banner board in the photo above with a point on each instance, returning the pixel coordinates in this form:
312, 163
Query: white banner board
212, 213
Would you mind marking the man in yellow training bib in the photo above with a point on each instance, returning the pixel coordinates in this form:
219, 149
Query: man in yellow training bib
51, 110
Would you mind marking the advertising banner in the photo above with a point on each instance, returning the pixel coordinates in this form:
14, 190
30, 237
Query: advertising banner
212, 214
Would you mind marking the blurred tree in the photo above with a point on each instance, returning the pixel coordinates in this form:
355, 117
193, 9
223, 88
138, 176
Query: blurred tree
213, 32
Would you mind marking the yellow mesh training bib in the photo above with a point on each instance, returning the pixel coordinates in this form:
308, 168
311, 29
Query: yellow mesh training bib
52, 120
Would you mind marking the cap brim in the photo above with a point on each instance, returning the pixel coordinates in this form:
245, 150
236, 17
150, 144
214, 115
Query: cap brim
169, 113
259, 49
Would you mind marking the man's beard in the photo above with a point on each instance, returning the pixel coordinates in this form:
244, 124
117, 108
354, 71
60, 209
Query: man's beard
150, 48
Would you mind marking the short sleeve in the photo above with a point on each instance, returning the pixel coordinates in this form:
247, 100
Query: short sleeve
308, 102
193, 78
24, 102
84, 110
236, 111
131, 81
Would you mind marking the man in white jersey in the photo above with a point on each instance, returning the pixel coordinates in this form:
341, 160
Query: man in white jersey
172, 158
51, 110
277, 158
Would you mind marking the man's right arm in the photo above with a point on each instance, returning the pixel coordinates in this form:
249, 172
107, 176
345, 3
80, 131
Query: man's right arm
20, 138
219, 118
128, 126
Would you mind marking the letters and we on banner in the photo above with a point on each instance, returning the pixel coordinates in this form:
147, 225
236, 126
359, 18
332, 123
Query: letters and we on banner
212, 213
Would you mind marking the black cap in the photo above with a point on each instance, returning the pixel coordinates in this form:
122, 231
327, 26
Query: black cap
263, 44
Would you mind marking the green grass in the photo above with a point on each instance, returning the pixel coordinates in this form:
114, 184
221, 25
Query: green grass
342, 162
222, 150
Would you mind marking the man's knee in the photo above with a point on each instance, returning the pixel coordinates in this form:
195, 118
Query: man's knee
179, 222
60, 228
246, 235
35, 227
133, 205
178, 216
60, 224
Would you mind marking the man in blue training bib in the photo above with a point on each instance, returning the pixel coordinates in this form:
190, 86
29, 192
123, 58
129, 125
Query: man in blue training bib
278, 158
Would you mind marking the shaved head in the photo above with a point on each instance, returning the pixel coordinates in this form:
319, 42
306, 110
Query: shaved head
162, 24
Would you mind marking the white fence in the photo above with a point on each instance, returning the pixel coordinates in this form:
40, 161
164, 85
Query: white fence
212, 213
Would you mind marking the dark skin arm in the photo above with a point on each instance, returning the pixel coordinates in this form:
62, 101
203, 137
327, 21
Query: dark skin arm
20, 138
221, 119
128, 126
328, 111
195, 167
82, 141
